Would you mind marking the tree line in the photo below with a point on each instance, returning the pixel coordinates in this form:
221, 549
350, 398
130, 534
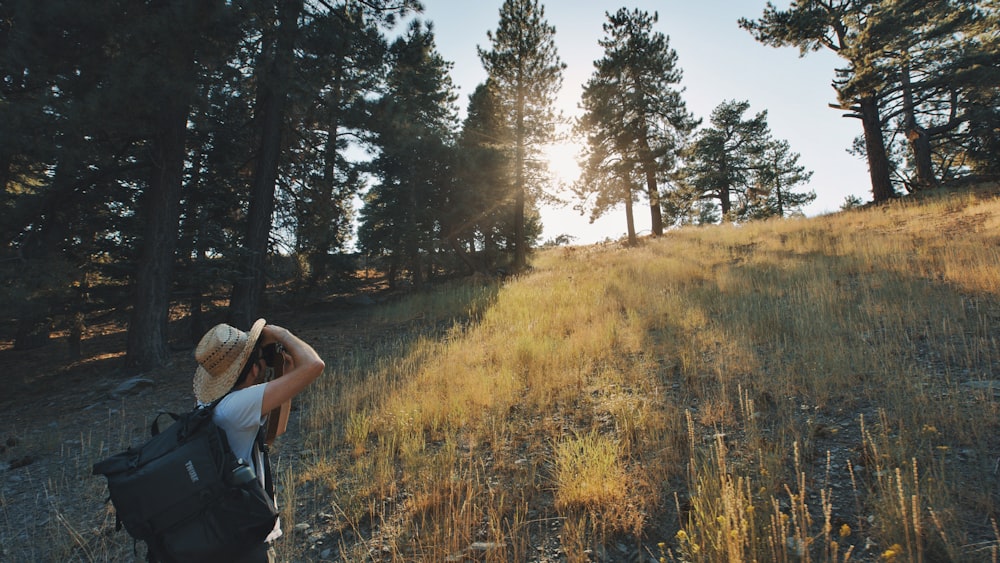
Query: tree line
161, 154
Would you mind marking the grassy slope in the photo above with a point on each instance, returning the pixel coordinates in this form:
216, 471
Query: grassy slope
788, 390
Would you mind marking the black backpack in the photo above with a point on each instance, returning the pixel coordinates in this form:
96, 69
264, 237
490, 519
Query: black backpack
187, 495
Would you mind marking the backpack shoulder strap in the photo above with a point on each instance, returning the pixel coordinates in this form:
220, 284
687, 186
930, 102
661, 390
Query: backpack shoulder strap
261, 445
154, 428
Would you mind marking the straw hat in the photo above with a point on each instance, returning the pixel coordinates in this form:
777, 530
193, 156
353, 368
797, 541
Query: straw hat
221, 355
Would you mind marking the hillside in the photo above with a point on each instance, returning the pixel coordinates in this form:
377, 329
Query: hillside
818, 389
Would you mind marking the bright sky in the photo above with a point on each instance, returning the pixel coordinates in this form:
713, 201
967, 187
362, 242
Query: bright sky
720, 62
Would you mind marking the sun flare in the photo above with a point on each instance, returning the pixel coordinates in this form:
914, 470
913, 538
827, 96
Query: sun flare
563, 165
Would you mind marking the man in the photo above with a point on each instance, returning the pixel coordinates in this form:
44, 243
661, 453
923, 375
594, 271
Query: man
231, 367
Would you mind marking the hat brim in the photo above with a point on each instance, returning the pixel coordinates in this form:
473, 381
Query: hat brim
207, 388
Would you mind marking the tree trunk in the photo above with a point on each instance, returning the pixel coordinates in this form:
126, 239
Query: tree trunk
920, 144
40, 250
146, 346
463, 255
629, 215
780, 194
412, 240
520, 252
272, 99
649, 168
917, 136
192, 255
656, 214
878, 160
147, 340
321, 214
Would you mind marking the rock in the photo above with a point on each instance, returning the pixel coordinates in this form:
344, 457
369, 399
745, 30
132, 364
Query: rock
130, 386
302, 527
484, 546
22, 462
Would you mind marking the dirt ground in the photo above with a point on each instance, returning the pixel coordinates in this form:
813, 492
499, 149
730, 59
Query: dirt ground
59, 414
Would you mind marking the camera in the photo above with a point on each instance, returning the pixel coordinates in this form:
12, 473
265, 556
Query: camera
272, 353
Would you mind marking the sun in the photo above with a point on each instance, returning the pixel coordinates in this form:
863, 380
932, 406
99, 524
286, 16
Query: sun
562, 158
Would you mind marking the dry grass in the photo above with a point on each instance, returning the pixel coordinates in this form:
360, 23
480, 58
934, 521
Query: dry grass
800, 390
706, 392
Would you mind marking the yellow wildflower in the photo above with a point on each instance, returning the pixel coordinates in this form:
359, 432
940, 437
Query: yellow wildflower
891, 553
845, 531
682, 535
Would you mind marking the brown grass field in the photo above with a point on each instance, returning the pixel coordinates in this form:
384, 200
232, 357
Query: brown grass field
819, 389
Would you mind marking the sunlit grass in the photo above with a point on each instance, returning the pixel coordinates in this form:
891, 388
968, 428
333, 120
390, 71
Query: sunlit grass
568, 392
799, 390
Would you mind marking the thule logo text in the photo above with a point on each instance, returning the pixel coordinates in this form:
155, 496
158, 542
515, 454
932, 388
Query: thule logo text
191, 472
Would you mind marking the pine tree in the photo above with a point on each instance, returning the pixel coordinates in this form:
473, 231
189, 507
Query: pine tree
982, 144
51, 64
930, 73
723, 159
129, 133
838, 25
401, 217
343, 61
736, 162
273, 78
635, 119
483, 204
111, 118
172, 79
526, 72
777, 174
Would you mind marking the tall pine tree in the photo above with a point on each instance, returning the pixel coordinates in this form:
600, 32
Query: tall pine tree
525, 70
343, 52
416, 121
736, 162
930, 72
273, 75
634, 117
171, 76
723, 158
838, 25
481, 217
778, 173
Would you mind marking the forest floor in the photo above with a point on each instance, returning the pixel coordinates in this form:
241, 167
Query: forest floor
59, 414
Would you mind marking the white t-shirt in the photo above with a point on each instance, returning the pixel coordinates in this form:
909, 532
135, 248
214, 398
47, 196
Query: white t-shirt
238, 414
